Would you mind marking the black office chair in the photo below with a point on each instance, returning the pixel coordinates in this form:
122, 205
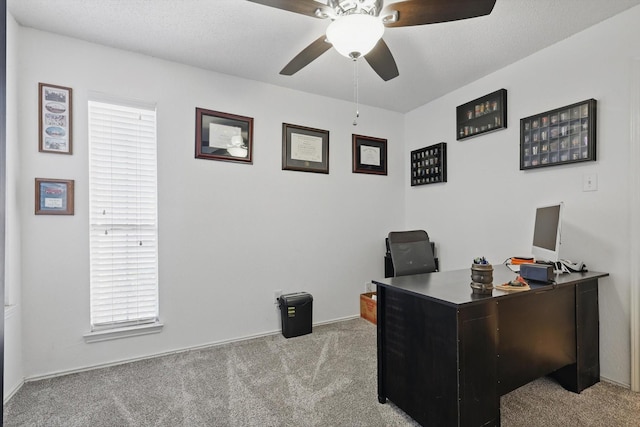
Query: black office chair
411, 252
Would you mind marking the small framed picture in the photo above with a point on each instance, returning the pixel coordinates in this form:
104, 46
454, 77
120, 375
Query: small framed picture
369, 155
55, 124
54, 196
305, 149
223, 136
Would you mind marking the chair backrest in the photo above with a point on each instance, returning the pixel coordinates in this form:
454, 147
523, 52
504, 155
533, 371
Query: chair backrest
411, 252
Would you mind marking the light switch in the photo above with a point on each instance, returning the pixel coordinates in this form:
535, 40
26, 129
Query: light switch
590, 182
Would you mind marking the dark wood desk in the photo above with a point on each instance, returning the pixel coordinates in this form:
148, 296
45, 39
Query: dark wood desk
446, 355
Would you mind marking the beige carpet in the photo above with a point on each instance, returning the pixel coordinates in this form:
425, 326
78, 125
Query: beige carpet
327, 378
545, 403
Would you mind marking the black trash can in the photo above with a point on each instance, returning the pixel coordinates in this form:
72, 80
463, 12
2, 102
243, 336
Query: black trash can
296, 311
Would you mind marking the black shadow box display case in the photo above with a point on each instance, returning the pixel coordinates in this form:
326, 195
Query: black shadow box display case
485, 114
429, 164
560, 136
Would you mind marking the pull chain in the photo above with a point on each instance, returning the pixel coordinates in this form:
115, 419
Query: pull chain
355, 90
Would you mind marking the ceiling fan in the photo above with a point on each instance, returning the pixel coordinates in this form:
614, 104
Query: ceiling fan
357, 26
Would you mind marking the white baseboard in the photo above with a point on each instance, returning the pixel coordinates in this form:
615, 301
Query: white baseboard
610, 381
11, 393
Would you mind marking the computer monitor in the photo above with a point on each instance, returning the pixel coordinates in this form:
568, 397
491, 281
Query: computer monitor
546, 233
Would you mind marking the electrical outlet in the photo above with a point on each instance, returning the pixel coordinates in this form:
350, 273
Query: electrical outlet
590, 182
276, 296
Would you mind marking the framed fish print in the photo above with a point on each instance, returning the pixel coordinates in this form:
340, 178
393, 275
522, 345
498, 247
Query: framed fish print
56, 116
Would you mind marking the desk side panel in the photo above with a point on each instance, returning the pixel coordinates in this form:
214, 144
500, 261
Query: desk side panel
479, 400
588, 334
586, 371
420, 373
537, 335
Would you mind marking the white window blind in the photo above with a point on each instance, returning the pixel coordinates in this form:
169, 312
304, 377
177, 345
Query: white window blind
123, 215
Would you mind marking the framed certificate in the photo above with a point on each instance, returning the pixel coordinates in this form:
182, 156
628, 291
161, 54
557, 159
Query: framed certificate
223, 136
369, 155
305, 149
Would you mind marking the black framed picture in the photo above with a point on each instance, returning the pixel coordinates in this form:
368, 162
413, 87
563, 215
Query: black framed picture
482, 115
429, 165
305, 149
369, 155
223, 136
561, 136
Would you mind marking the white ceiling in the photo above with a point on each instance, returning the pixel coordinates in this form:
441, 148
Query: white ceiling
253, 41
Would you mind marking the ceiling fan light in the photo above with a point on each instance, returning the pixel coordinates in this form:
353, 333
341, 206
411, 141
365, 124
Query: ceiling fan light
355, 35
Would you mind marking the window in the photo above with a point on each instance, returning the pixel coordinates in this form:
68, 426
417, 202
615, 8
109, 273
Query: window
123, 215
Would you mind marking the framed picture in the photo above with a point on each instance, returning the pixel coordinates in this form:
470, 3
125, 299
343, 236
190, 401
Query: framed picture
54, 196
369, 155
482, 115
55, 124
305, 149
561, 136
223, 136
429, 164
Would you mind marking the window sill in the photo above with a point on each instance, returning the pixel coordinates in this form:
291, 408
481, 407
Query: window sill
130, 331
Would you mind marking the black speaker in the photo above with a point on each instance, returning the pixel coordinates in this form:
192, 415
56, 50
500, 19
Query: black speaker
537, 272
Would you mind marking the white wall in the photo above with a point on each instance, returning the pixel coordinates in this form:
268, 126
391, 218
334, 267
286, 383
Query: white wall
13, 366
230, 233
487, 205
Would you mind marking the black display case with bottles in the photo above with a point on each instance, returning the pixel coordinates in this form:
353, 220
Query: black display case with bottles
429, 164
560, 136
485, 114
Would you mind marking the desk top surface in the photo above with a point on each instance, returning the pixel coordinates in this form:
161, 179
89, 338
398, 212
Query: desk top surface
454, 287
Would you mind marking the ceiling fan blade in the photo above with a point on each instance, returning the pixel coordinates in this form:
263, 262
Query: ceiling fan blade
308, 54
420, 12
382, 62
304, 7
